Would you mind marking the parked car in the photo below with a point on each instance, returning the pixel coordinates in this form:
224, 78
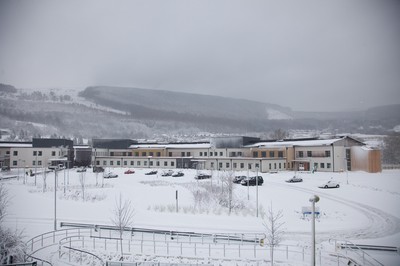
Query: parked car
252, 181
151, 173
295, 179
81, 169
98, 169
239, 179
167, 173
129, 171
110, 175
178, 174
202, 176
330, 184
5, 168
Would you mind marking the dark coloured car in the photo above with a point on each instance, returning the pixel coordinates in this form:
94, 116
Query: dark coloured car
239, 179
252, 181
202, 176
151, 173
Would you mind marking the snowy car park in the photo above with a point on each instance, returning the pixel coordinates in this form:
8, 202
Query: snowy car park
364, 211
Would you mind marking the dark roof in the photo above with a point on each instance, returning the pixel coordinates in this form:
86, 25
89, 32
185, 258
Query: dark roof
48, 143
113, 143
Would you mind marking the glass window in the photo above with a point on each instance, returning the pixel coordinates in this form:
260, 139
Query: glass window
227, 165
125, 162
309, 153
53, 153
242, 165
151, 153
33, 162
172, 163
255, 154
328, 165
158, 154
220, 165
201, 153
221, 153
34, 153
170, 154
151, 163
15, 153
39, 162
104, 162
111, 162
158, 163
131, 162
14, 163
182, 154
138, 163
97, 162
205, 153
234, 165
165, 163
280, 154
301, 154
327, 153
144, 153
188, 154
263, 154
271, 154
136, 153
249, 165
322, 165
118, 163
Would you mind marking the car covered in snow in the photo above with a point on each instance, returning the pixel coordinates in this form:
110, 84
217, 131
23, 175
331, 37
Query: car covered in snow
110, 175
81, 169
178, 174
295, 179
330, 184
237, 179
167, 173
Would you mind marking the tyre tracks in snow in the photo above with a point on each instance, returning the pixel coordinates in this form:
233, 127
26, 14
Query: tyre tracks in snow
380, 224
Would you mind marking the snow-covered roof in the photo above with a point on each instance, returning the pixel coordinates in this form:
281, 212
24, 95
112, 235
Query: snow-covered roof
318, 142
172, 146
15, 145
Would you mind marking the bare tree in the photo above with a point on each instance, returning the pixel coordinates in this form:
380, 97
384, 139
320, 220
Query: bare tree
274, 229
123, 213
82, 184
227, 193
12, 246
44, 180
4, 200
278, 134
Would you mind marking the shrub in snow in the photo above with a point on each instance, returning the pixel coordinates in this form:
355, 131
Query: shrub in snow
12, 248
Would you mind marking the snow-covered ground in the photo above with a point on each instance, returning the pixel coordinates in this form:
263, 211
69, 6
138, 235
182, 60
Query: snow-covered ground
364, 210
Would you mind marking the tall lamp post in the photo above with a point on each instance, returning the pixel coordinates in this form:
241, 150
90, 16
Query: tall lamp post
256, 189
313, 200
55, 199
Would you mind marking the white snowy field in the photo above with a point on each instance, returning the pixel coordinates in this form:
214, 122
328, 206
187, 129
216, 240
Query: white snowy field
364, 210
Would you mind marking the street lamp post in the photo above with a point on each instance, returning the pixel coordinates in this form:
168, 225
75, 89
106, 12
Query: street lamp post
313, 200
55, 199
256, 189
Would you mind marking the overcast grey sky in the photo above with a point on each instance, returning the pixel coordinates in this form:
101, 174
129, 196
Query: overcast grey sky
307, 55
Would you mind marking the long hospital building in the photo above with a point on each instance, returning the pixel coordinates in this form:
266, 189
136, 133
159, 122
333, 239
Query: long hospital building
240, 154
220, 153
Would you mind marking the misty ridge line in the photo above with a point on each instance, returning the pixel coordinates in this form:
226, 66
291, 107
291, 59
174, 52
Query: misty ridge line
121, 112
